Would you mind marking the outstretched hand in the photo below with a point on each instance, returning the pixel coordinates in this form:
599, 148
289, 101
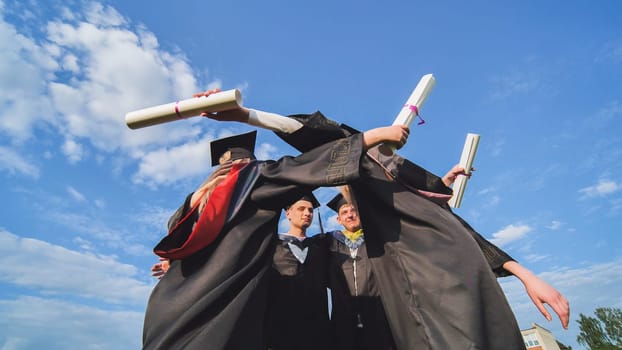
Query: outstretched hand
233, 115
542, 293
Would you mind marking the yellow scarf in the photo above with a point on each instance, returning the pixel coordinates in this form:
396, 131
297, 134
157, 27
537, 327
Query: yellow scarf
352, 236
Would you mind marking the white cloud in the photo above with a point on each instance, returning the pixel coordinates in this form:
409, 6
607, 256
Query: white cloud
88, 70
103, 15
58, 270
99, 203
86, 282
153, 218
532, 258
555, 225
486, 190
94, 228
611, 52
92, 223
73, 150
606, 116
513, 84
509, 234
84, 244
70, 63
122, 71
493, 201
75, 194
24, 68
497, 147
602, 188
13, 163
265, 151
36, 323
167, 165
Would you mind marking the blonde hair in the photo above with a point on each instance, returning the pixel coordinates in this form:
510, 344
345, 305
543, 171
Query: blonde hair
225, 157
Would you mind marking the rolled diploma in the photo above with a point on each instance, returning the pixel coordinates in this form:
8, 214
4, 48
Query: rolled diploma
417, 98
466, 161
406, 114
191, 107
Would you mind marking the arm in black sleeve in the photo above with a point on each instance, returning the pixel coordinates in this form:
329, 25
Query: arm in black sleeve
494, 255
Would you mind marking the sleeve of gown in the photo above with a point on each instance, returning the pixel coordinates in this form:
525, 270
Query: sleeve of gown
315, 131
180, 213
182, 220
416, 178
273, 121
332, 164
494, 255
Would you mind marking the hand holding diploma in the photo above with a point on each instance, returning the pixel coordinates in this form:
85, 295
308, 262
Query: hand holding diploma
466, 162
417, 98
413, 105
208, 103
453, 174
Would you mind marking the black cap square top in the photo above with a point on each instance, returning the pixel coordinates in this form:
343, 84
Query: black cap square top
241, 146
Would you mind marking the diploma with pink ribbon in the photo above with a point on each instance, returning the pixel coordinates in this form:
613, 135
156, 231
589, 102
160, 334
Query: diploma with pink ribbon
466, 161
218, 102
410, 110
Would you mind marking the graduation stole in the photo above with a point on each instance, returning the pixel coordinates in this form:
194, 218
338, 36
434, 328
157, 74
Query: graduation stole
296, 247
353, 240
209, 224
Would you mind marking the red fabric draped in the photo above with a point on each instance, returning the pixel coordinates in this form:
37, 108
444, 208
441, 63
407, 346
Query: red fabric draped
210, 222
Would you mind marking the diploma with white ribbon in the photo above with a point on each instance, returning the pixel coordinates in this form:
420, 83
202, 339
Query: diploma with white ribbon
466, 161
218, 102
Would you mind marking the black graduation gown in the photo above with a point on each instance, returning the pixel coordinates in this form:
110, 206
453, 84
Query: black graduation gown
357, 316
318, 130
436, 285
216, 298
297, 315
435, 282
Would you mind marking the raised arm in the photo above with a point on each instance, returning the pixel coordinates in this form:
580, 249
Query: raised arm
394, 134
265, 120
453, 174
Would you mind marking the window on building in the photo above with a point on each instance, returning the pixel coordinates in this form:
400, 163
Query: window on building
531, 340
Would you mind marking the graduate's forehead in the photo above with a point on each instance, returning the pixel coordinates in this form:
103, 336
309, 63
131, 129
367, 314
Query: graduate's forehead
302, 204
346, 208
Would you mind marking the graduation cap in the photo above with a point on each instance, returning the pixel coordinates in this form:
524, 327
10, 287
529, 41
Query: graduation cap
241, 146
309, 197
337, 202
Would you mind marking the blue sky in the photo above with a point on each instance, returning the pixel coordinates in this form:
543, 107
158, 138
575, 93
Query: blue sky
86, 198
